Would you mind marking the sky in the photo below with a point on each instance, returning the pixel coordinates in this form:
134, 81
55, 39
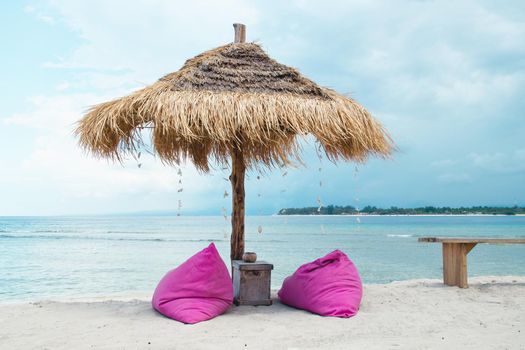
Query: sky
446, 79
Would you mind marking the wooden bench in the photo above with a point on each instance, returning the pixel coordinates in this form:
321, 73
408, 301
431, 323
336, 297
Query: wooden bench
455, 252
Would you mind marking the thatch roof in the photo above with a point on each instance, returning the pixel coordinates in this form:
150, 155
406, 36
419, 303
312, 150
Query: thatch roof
234, 96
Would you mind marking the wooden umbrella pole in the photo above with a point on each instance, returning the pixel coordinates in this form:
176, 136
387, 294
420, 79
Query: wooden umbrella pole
238, 194
240, 33
237, 181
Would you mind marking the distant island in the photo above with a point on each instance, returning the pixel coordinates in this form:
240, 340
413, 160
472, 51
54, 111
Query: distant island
371, 210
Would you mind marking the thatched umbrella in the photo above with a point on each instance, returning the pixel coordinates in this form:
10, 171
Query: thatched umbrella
234, 103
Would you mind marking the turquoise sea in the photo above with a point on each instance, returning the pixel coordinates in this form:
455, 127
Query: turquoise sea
69, 257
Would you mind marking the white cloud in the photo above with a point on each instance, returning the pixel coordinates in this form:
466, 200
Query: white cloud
57, 114
439, 56
157, 32
452, 178
512, 162
39, 14
444, 163
63, 86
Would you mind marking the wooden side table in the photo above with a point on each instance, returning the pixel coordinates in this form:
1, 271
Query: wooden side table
251, 282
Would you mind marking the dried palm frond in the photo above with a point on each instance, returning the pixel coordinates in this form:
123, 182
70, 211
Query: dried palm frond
234, 97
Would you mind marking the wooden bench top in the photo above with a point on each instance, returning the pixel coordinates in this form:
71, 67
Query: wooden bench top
472, 240
455, 250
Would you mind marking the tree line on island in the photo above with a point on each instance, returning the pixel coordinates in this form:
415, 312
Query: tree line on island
429, 210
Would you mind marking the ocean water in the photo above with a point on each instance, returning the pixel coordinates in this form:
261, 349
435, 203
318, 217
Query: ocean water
57, 257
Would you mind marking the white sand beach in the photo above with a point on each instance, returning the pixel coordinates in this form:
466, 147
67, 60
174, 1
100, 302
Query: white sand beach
417, 314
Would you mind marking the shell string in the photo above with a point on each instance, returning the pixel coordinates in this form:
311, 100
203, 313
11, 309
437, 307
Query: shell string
179, 190
259, 197
318, 151
225, 196
284, 172
356, 198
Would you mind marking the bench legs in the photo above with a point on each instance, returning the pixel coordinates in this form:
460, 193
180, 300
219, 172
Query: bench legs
455, 263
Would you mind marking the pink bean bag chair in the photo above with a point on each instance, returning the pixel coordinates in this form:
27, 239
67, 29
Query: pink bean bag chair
328, 286
197, 290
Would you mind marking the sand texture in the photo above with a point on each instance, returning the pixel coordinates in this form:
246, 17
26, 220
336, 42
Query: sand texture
418, 314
